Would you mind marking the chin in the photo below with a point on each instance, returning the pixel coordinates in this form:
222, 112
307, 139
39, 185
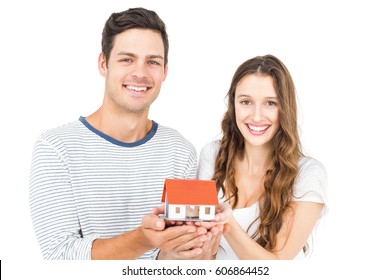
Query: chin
252, 141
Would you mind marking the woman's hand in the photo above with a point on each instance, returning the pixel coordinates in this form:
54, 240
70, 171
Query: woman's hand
224, 214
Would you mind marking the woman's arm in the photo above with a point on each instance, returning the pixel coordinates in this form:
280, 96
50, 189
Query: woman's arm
297, 226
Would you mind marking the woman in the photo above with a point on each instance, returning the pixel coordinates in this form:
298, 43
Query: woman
277, 194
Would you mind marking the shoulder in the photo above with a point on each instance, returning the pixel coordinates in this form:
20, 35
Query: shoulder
61, 133
211, 149
167, 131
310, 167
52, 144
311, 183
171, 136
207, 158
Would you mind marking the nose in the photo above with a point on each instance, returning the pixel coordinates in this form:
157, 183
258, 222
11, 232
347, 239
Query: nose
257, 114
139, 70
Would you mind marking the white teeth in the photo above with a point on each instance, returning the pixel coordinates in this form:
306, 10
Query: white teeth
137, 88
258, 128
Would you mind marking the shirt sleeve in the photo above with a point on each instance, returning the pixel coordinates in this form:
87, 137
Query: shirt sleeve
52, 206
207, 160
192, 163
311, 183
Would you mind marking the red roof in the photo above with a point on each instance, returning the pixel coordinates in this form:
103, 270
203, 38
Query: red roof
190, 192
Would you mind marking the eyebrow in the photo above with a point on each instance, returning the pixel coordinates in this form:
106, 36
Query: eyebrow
151, 56
267, 97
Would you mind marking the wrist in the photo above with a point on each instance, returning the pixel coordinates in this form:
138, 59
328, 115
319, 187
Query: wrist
163, 255
144, 242
156, 254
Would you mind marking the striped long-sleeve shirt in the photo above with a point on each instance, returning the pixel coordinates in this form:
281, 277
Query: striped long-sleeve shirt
86, 185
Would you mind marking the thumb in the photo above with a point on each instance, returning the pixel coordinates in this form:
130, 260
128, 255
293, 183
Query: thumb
153, 222
158, 210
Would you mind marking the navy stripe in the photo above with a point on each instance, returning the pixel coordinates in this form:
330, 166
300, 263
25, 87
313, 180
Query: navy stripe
149, 136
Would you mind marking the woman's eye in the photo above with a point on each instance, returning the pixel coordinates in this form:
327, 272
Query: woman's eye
271, 103
245, 102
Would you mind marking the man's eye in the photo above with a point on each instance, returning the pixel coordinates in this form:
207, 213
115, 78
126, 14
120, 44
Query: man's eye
153, 62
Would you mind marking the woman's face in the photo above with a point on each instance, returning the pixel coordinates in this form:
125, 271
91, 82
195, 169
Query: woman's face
257, 109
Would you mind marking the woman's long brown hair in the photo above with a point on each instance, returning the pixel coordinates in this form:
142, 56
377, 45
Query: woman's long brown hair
286, 150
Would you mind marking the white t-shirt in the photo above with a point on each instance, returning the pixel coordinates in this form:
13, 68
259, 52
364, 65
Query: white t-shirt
310, 186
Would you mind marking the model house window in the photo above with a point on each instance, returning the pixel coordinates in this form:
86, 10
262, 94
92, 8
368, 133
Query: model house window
177, 210
207, 210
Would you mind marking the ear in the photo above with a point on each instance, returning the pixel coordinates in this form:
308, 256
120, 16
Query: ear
165, 72
102, 65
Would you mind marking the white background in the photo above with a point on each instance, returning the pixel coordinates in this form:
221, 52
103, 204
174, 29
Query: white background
336, 51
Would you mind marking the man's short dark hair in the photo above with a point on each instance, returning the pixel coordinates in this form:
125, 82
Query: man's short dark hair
129, 19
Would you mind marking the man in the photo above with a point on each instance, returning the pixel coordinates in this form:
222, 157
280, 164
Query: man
95, 181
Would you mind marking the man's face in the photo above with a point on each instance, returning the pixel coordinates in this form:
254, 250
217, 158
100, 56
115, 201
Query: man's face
135, 71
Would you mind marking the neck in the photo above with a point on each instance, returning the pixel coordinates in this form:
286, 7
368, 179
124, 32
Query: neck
249, 174
126, 128
257, 159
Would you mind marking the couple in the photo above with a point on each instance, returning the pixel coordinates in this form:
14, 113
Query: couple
95, 183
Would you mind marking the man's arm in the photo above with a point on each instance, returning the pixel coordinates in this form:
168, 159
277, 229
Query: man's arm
151, 234
52, 206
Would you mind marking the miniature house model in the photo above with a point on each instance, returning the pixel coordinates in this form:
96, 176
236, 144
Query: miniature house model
190, 200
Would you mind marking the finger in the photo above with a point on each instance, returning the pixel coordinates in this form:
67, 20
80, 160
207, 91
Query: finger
206, 225
220, 227
201, 230
208, 244
177, 231
226, 228
211, 246
189, 254
224, 213
158, 210
218, 217
215, 246
216, 229
222, 217
165, 239
185, 243
182, 242
153, 222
